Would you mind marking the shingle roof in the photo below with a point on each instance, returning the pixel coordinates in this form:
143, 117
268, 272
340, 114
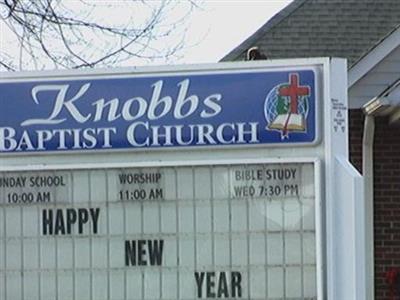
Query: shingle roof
314, 28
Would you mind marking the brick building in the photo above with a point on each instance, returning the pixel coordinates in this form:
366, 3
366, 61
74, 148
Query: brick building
367, 33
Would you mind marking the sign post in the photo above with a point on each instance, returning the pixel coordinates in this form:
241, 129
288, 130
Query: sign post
200, 182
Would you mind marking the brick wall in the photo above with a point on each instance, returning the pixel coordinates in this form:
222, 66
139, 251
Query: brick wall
356, 124
386, 194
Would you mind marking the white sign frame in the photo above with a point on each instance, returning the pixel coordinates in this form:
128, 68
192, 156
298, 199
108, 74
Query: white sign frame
331, 76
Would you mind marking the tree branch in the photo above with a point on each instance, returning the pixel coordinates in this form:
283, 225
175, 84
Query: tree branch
78, 36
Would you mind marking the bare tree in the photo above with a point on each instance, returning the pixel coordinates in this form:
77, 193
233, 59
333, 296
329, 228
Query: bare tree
38, 34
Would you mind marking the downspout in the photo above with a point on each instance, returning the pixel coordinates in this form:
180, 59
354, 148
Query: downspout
368, 174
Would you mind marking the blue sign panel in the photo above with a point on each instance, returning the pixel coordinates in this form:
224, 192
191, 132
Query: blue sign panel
193, 110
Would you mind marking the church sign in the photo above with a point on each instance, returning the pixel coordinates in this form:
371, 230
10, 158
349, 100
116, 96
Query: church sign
225, 181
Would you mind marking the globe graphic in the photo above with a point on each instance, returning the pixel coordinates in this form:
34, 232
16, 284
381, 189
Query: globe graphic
271, 104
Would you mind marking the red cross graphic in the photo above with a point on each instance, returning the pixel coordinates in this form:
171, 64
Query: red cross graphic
294, 91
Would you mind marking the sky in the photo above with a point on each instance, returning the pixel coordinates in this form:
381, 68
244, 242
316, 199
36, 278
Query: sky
221, 25
213, 29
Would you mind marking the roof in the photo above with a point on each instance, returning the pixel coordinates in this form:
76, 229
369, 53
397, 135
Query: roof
315, 28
